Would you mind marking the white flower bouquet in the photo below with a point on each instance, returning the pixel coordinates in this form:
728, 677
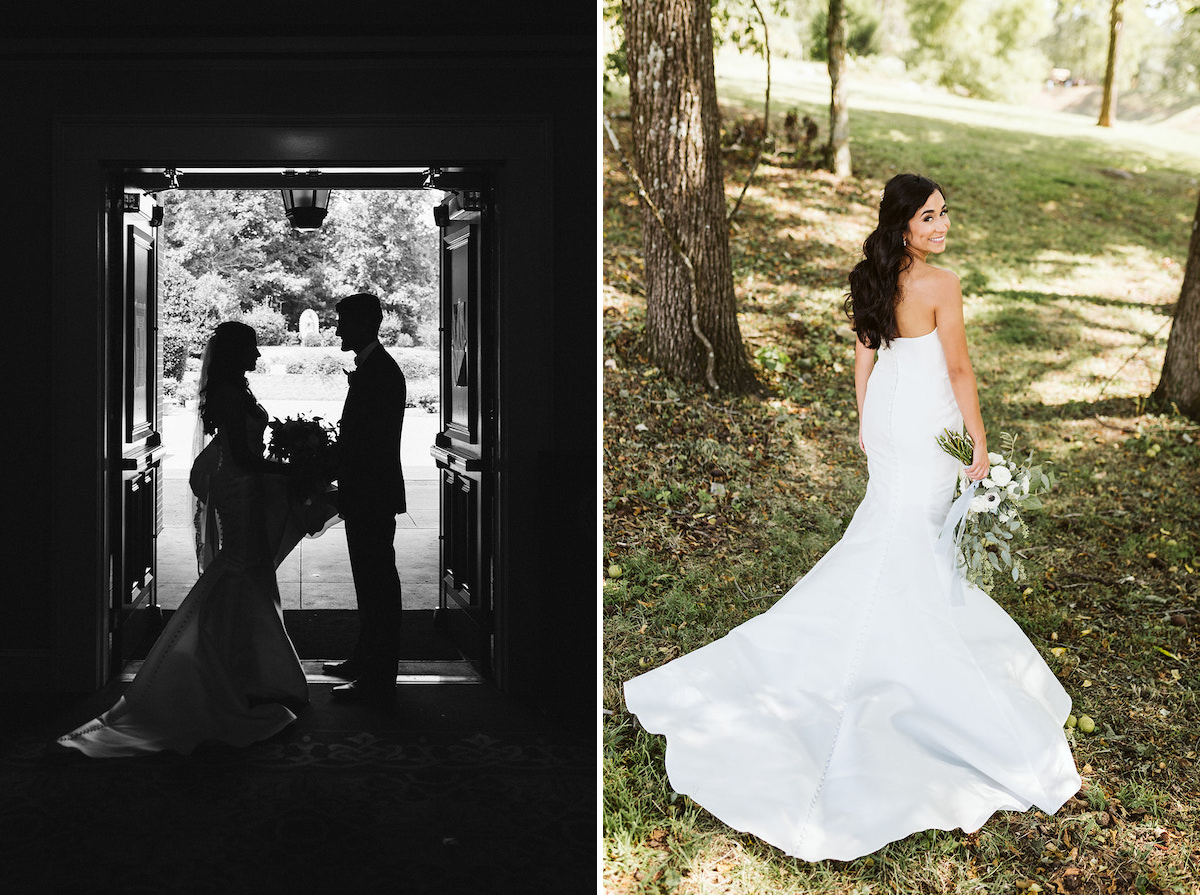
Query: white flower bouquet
985, 534
308, 445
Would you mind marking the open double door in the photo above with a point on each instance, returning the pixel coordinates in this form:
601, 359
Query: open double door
463, 449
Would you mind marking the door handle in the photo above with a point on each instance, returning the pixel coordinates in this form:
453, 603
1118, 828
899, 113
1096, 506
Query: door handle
452, 460
143, 459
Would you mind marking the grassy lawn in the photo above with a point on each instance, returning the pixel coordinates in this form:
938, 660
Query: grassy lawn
1070, 242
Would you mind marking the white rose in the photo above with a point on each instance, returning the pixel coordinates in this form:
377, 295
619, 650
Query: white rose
1000, 475
986, 483
995, 458
979, 504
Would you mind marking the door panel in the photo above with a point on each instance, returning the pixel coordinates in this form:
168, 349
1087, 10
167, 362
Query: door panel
463, 447
136, 490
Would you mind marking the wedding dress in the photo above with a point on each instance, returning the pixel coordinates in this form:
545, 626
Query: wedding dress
224, 665
863, 706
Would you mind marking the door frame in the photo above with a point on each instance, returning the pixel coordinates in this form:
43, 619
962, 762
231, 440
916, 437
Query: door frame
87, 148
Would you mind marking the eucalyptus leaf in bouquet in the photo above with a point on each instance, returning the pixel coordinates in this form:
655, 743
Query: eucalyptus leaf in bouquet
992, 524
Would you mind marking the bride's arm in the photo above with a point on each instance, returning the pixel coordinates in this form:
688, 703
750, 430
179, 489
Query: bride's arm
864, 363
233, 421
952, 332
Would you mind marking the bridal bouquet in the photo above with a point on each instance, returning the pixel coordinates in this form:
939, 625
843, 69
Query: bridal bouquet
984, 535
310, 445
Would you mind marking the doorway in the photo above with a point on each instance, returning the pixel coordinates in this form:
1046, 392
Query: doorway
529, 454
442, 544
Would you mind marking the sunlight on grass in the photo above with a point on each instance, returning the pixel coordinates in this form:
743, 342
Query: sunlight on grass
740, 78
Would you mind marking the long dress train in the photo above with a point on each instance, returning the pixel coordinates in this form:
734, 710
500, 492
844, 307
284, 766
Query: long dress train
223, 666
863, 706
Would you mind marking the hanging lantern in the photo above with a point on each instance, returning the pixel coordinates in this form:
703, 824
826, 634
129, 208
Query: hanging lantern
305, 209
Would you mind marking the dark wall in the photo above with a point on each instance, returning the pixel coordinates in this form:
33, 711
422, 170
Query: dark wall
500, 61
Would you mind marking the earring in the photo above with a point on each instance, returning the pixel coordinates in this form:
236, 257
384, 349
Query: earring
905, 241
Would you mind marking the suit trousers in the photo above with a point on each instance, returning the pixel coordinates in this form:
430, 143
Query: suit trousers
369, 539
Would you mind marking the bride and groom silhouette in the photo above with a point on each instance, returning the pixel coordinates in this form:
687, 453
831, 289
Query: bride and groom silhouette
224, 669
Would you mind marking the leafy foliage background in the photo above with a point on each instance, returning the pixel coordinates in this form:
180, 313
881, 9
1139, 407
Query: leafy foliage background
231, 254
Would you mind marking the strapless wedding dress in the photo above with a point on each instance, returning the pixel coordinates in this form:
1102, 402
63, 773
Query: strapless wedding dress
223, 666
863, 706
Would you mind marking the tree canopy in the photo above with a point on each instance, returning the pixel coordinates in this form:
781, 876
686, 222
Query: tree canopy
232, 253
993, 49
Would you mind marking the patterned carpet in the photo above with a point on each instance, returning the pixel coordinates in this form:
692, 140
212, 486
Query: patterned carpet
459, 790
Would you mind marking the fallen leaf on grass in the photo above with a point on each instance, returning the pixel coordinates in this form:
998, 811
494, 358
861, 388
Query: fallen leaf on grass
1071, 880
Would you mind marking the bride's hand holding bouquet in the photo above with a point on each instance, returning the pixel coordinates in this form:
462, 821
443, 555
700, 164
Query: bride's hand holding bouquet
978, 464
984, 535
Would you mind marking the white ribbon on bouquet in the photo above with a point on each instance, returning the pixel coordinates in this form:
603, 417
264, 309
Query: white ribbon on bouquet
949, 568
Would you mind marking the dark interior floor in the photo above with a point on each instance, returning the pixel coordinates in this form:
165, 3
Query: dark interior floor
458, 789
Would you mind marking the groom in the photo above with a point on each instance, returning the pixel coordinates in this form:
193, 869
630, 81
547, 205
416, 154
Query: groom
371, 493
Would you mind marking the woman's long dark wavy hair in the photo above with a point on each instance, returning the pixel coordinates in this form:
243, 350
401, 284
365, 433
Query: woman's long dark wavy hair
223, 376
874, 282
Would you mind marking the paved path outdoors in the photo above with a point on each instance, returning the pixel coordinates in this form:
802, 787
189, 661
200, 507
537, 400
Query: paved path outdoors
317, 573
419, 431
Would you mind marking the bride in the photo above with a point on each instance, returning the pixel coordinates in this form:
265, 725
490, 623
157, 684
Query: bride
223, 668
864, 706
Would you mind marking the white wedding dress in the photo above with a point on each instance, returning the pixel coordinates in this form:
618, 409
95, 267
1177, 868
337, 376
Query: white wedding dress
223, 666
863, 706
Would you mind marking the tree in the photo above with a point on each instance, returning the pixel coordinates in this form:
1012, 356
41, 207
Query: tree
865, 34
839, 114
986, 47
384, 242
1181, 73
229, 252
1078, 40
1180, 381
1109, 102
691, 312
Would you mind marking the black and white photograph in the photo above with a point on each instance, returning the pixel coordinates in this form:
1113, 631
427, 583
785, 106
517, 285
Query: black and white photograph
303, 521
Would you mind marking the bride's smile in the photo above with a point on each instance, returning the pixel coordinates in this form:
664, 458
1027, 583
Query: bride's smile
926, 231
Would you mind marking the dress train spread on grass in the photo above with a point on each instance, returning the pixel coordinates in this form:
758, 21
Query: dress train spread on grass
863, 706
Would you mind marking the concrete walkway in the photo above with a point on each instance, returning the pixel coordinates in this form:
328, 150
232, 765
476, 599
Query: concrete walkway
317, 573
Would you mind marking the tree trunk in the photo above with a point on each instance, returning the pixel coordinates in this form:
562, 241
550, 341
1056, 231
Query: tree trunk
839, 115
1108, 104
676, 148
1180, 382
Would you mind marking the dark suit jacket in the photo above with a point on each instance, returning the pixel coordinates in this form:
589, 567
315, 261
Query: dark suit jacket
369, 476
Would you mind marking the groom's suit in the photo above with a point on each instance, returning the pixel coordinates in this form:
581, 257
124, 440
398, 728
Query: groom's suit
371, 488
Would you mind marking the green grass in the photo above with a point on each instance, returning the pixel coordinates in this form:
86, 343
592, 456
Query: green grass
715, 506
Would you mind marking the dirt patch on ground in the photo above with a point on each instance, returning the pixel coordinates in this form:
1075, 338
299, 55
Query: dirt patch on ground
1085, 100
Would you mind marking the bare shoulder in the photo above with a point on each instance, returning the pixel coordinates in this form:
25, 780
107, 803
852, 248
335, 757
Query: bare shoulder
943, 286
944, 277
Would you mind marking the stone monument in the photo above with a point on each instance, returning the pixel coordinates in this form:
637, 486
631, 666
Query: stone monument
310, 327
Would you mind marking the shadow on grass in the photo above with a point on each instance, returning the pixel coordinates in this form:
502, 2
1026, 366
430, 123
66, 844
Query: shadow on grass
1019, 295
